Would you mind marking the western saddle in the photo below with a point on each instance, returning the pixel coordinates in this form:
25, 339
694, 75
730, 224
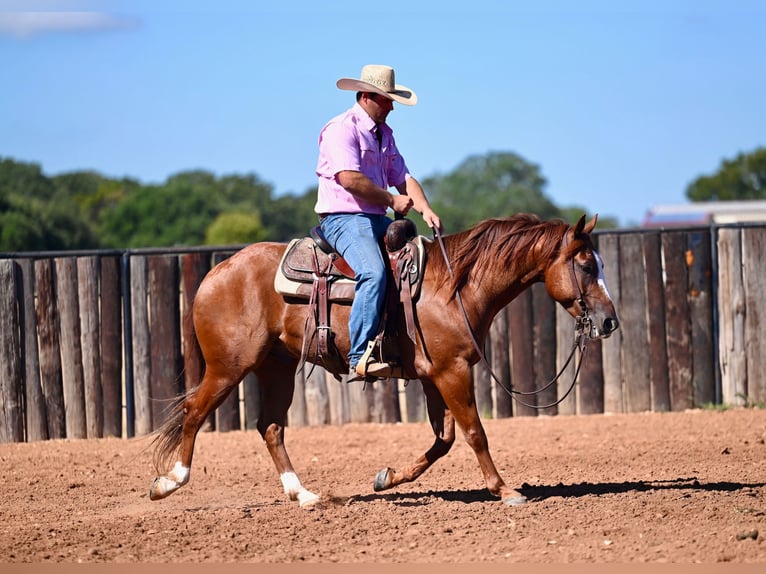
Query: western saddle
311, 270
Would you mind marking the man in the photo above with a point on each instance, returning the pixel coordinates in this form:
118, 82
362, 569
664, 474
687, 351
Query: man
358, 162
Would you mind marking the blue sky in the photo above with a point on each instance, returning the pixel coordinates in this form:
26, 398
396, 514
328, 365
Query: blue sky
621, 104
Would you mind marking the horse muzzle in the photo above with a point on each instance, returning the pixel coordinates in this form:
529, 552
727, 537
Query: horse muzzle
604, 329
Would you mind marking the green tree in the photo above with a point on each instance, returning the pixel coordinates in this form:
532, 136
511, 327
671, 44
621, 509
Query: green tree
235, 229
35, 216
743, 177
494, 185
290, 216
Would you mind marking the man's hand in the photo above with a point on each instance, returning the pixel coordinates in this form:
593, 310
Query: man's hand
401, 203
431, 219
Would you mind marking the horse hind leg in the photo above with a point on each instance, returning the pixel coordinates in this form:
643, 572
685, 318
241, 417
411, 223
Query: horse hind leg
443, 425
179, 432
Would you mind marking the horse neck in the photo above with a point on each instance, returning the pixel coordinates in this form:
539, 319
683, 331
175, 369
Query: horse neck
500, 284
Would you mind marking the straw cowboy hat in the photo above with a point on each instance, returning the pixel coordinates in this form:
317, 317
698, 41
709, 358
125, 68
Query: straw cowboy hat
380, 80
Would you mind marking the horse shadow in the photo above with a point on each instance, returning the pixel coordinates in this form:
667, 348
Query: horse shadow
537, 493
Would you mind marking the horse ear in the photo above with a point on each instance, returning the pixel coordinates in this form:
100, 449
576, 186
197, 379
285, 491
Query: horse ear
591, 225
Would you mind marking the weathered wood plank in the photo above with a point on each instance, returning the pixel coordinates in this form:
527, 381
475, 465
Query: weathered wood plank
71, 347
591, 383
701, 316
611, 348
386, 401
317, 398
501, 364
297, 412
141, 344
520, 317
655, 290
251, 393
51, 377
482, 384
634, 327
165, 334
88, 274
753, 256
731, 313
335, 397
194, 267
36, 418
565, 365
544, 347
415, 401
677, 321
11, 361
111, 345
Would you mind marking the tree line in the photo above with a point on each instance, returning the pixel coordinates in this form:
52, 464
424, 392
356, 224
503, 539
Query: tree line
87, 210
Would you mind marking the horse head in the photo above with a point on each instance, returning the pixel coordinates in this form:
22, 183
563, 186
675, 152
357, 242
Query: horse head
576, 280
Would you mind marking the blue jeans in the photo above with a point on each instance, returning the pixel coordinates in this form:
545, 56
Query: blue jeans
356, 236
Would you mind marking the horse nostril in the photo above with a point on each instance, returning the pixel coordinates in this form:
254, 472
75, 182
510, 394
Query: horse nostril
611, 325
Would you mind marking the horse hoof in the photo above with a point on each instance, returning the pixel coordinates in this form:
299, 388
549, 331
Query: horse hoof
162, 487
307, 499
515, 500
382, 480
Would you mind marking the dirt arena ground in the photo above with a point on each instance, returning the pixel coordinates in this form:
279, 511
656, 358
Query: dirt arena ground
671, 487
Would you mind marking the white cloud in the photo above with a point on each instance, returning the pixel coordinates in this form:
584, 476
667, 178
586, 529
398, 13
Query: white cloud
27, 24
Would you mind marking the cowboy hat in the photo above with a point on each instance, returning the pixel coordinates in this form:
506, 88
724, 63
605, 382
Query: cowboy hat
380, 80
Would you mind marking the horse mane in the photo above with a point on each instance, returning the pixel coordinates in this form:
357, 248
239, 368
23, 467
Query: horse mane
497, 241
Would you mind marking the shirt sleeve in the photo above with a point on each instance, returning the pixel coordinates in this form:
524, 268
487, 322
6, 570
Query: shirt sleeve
339, 150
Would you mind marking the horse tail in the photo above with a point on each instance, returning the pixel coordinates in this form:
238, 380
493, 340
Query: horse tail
167, 438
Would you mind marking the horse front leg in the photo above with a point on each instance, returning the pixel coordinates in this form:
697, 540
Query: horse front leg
443, 425
276, 397
460, 400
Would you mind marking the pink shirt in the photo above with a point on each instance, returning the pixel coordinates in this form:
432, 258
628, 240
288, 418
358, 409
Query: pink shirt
348, 142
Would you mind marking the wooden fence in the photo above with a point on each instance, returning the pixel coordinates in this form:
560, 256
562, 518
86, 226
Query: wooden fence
98, 343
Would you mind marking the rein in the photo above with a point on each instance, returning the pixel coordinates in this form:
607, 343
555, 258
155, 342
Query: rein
583, 324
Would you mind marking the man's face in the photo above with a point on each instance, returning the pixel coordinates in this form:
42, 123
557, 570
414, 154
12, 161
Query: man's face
378, 107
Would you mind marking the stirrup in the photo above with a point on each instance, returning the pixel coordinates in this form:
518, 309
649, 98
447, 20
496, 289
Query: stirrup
378, 370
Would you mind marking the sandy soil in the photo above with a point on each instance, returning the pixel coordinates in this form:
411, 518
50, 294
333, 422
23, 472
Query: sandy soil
671, 487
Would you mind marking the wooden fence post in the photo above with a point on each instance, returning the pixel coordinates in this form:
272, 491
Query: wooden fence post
165, 334
701, 316
677, 320
141, 344
317, 401
90, 339
501, 363
386, 402
753, 254
111, 345
36, 419
194, 267
51, 377
731, 313
635, 330
71, 347
522, 352
564, 341
544, 347
11, 377
611, 349
655, 291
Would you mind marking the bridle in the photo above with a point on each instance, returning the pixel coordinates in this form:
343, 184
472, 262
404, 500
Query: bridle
582, 332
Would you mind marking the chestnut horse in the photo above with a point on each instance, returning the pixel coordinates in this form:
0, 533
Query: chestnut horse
244, 325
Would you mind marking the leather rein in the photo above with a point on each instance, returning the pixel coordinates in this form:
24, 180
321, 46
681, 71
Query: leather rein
583, 326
